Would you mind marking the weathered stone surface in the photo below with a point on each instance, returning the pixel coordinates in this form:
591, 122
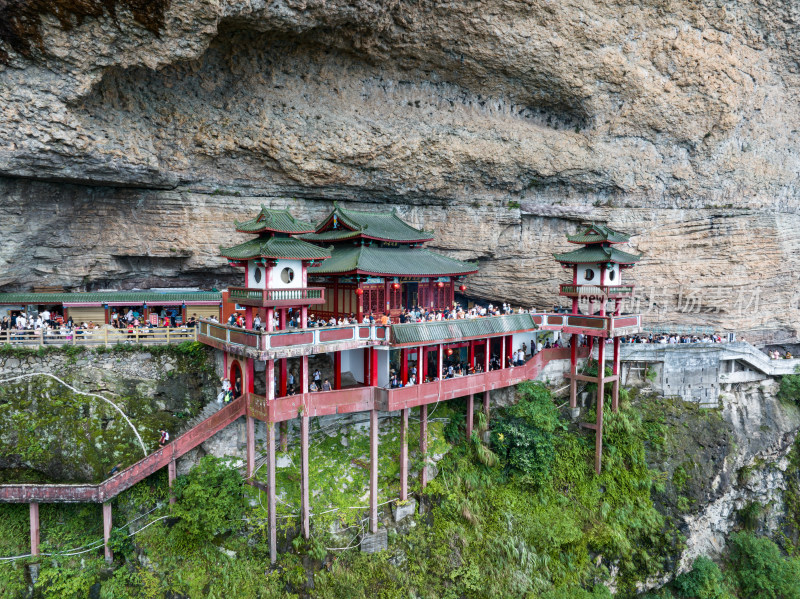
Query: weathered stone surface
495, 123
374, 542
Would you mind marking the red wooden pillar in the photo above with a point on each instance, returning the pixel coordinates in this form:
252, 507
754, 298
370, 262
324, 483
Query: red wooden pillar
439, 360
373, 471
273, 520
419, 365
573, 370
503, 351
270, 320
251, 374
304, 317
404, 454
422, 369
270, 376
404, 365
367, 366
248, 317
336, 306
470, 408
183, 318
471, 362
284, 371
373, 362
487, 356
172, 474
107, 532
305, 517
34, 513
251, 446
337, 370
598, 440
616, 372
303, 374
107, 310
423, 445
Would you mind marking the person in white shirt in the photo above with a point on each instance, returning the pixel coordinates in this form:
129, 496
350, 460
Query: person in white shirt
257, 322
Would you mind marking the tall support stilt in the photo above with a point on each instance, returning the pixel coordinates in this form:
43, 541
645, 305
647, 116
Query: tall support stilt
107, 532
423, 445
373, 471
403, 454
34, 511
251, 446
470, 408
616, 371
172, 474
486, 399
284, 435
304, 502
601, 371
573, 370
273, 520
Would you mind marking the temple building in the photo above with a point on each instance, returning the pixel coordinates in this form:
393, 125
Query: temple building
379, 265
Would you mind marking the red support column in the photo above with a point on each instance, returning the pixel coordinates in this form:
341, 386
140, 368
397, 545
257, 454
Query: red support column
423, 368
251, 375
488, 346
34, 513
471, 359
373, 471
373, 362
172, 474
304, 317
273, 520
248, 317
367, 367
282, 315
598, 443
616, 372
423, 445
304, 374
503, 351
403, 454
107, 532
439, 361
337, 370
305, 517
270, 324
251, 446
470, 408
419, 365
284, 371
404, 365
573, 369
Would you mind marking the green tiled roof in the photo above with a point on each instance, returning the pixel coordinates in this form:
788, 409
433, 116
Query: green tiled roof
275, 247
399, 261
594, 233
592, 254
455, 330
386, 226
100, 297
269, 219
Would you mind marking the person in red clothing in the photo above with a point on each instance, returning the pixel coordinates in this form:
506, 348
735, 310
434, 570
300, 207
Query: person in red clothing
164, 437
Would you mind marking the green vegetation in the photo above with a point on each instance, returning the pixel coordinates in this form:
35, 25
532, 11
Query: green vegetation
517, 513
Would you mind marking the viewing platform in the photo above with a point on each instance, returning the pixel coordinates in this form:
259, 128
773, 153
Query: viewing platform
598, 291
274, 298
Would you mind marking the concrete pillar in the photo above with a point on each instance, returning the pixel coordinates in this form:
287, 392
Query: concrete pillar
337, 370
172, 471
470, 408
404, 454
615, 384
34, 512
107, 532
251, 446
423, 445
598, 440
305, 512
273, 520
373, 471
270, 376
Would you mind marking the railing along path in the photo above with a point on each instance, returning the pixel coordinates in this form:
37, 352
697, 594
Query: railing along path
105, 336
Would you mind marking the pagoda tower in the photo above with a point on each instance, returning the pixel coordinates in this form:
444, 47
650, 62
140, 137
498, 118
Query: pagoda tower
597, 276
276, 275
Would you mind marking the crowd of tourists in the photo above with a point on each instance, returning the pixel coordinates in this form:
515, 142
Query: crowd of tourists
666, 339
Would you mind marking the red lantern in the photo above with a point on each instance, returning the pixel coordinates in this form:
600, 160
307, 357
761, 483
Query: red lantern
440, 284
449, 351
462, 287
395, 285
359, 291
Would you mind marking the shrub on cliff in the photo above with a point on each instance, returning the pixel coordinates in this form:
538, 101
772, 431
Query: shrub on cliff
760, 570
704, 581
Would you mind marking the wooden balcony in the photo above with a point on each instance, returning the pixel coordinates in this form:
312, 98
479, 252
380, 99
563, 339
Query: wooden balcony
597, 291
276, 298
598, 326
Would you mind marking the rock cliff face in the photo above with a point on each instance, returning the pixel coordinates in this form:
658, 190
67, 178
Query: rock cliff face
132, 134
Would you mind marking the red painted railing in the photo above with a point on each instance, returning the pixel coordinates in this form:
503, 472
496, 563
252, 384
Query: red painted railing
252, 296
44, 493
